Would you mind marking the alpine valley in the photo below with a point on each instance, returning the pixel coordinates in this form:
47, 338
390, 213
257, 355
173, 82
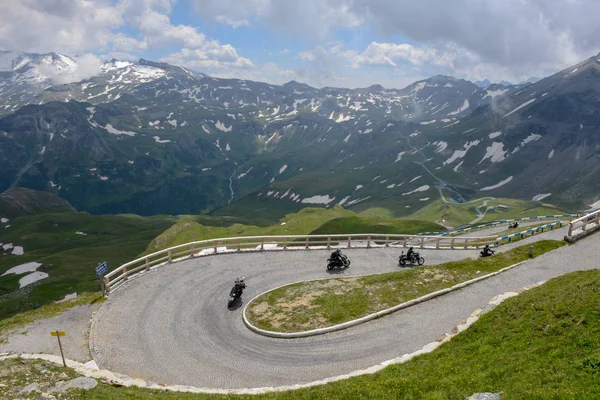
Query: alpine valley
152, 138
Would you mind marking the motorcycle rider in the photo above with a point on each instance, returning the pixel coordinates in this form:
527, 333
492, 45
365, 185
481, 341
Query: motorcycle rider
410, 254
240, 285
487, 251
336, 256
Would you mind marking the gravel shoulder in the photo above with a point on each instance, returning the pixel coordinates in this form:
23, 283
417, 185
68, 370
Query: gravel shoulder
35, 337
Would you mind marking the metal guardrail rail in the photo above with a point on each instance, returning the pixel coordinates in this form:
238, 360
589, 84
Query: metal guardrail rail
282, 243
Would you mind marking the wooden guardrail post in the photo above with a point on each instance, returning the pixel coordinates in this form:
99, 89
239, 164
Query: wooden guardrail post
125, 275
216, 243
368, 241
262, 243
307, 242
239, 245
147, 264
170, 256
349, 241
422, 242
452, 243
329, 242
284, 243
192, 250
466, 243
106, 286
387, 241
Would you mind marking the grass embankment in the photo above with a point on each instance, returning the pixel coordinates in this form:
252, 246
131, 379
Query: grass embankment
542, 344
69, 258
307, 221
460, 214
318, 304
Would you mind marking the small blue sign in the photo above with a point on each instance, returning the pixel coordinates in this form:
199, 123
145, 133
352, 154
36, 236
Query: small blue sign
101, 270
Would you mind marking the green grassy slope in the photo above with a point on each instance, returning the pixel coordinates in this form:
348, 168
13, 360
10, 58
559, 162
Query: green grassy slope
69, 258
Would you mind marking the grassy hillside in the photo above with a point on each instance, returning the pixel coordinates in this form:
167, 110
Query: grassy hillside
302, 222
67, 256
360, 224
460, 214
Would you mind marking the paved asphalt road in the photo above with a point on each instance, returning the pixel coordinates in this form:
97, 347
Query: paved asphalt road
172, 325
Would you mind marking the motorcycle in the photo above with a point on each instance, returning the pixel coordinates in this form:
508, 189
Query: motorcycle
236, 292
513, 226
340, 262
403, 259
484, 253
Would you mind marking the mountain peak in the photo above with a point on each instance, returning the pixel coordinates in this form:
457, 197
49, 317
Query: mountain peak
295, 84
376, 88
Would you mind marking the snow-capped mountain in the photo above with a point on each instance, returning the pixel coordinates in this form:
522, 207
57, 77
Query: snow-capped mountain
135, 133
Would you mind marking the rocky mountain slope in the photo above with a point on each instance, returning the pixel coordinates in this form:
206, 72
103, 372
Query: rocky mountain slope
152, 138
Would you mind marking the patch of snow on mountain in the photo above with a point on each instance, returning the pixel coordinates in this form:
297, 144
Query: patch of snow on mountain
482, 171
497, 185
544, 94
470, 130
205, 129
369, 130
454, 123
575, 70
551, 154
446, 120
299, 101
423, 188
415, 178
347, 137
21, 269
358, 200
418, 87
220, 126
494, 93
495, 153
414, 134
227, 148
424, 199
596, 205
32, 278
318, 199
283, 169
110, 129
4, 220
461, 109
428, 122
539, 197
531, 138
518, 108
357, 106
341, 118
399, 156
173, 122
158, 140
345, 199
440, 146
580, 126
243, 174
455, 169
494, 134
391, 186
103, 178
461, 153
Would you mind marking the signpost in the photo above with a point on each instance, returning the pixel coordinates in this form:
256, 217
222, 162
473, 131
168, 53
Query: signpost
101, 270
58, 334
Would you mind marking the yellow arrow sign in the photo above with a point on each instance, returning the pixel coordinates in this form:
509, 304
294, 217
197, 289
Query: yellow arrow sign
57, 333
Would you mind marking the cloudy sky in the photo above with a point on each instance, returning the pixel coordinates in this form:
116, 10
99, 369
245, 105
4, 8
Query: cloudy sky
344, 43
